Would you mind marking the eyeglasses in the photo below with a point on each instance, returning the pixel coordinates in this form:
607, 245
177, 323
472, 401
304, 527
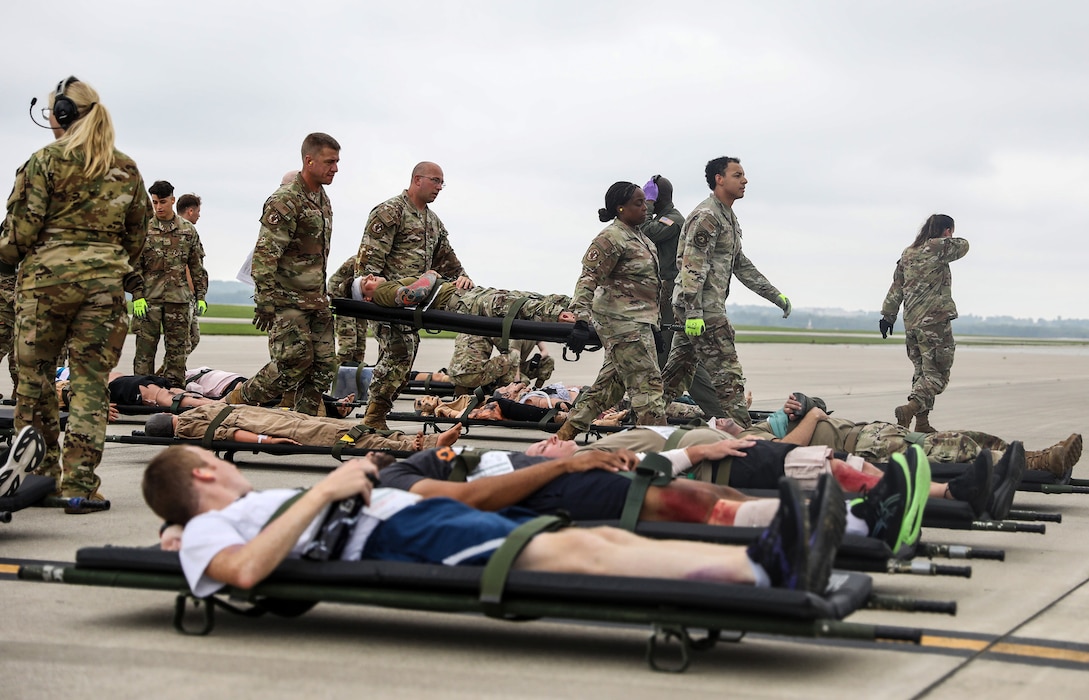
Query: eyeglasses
437, 180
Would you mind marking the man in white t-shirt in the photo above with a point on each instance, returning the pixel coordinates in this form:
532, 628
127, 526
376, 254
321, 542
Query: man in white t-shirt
232, 537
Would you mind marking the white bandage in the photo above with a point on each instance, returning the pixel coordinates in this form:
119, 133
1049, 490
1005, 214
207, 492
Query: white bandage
357, 289
806, 464
757, 513
855, 462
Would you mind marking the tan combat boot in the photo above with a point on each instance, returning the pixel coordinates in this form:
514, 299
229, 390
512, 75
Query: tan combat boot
567, 431
234, 396
905, 413
375, 417
1059, 459
922, 423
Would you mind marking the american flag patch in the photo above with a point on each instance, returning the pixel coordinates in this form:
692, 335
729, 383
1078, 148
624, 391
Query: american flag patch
666, 220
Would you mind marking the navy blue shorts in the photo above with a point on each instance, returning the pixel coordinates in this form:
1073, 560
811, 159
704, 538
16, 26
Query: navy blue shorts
590, 495
442, 531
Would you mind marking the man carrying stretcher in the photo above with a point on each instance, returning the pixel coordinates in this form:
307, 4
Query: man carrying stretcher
237, 536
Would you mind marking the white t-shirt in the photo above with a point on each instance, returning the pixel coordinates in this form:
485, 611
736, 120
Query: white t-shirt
210, 533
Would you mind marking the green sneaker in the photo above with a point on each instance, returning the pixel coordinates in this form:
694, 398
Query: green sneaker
918, 467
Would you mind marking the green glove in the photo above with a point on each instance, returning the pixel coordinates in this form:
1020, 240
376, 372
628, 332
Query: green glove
694, 326
202, 307
139, 308
784, 304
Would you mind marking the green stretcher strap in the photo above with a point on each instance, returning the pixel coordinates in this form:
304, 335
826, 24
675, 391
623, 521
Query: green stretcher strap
508, 320
210, 432
675, 439
915, 438
284, 506
494, 578
176, 402
359, 380
852, 438
479, 397
349, 438
464, 465
654, 470
547, 418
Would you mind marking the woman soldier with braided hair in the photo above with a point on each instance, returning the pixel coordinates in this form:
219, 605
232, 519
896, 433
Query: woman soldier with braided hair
618, 291
923, 283
76, 224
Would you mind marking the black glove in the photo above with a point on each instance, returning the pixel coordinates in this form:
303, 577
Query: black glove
533, 365
886, 328
264, 317
579, 336
659, 341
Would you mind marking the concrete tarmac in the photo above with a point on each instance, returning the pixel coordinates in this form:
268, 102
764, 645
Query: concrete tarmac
1021, 631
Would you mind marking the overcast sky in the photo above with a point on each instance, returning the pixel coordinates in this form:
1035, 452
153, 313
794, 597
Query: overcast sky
854, 122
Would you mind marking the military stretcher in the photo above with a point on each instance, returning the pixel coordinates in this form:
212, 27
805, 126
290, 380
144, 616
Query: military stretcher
37, 491
672, 609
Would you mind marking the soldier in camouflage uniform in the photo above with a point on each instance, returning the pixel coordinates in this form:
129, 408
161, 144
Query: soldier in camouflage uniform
290, 265
708, 256
76, 223
618, 289
189, 209
7, 322
404, 238
351, 332
472, 364
663, 226
923, 283
172, 247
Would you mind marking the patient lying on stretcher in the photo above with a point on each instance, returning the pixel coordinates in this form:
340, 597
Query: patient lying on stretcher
428, 292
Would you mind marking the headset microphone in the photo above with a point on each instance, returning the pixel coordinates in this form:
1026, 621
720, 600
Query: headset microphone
34, 101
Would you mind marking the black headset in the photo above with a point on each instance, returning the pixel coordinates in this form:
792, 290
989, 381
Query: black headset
64, 109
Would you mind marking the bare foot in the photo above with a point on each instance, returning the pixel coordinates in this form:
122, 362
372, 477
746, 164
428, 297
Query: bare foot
418, 441
450, 436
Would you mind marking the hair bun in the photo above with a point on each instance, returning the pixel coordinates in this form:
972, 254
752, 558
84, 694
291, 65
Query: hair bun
603, 215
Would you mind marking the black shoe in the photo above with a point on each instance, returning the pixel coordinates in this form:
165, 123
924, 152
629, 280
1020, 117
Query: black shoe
886, 504
782, 549
975, 485
1007, 477
827, 521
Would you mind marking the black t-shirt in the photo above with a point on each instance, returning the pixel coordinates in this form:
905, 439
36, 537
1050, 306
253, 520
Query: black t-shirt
125, 391
436, 464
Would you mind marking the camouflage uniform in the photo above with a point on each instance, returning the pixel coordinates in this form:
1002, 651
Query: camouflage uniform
351, 332
923, 282
708, 256
77, 243
171, 247
472, 364
194, 307
877, 441
664, 229
7, 324
289, 270
478, 301
618, 288
401, 241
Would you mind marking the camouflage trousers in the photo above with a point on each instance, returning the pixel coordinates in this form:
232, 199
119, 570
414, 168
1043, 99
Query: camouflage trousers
472, 364
351, 339
495, 303
7, 341
303, 362
397, 347
90, 317
630, 364
171, 321
878, 441
701, 390
194, 328
715, 351
930, 349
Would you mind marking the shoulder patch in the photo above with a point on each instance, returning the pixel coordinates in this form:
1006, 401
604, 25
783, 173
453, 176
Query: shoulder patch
700, 239
667, 221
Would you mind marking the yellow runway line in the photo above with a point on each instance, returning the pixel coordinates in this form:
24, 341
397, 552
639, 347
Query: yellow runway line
1007, 648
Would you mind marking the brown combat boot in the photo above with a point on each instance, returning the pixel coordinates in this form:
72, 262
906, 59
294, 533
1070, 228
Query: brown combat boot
1059, 459
905, 413
567, 431
375, 417
234, 396
922, 423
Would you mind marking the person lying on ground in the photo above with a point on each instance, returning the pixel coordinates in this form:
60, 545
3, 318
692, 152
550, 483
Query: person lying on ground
805, 421
231, 536
277, 427
427, 291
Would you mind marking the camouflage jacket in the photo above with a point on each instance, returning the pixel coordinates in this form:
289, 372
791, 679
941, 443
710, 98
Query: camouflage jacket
171, 247
62, 228
708, 255
401, 241
619, 277
340, 284
292, 252
664, 230
923, 282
